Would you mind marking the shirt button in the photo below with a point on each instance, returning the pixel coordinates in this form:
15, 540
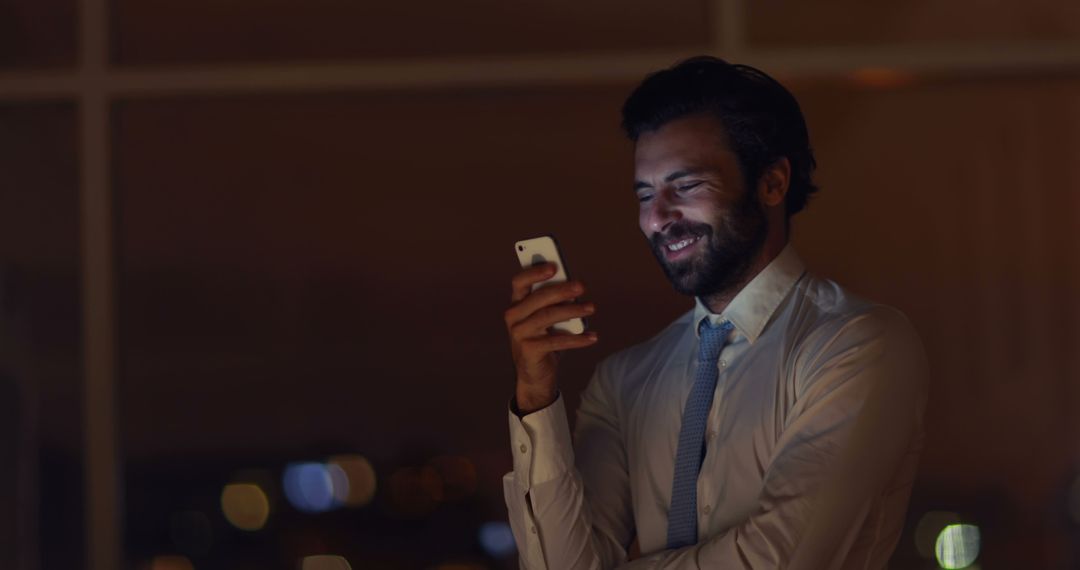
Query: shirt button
523, 448
707, 509
534, 530
711, 435
723, 363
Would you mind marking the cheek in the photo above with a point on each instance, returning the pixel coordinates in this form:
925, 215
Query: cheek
702, 211
643, 219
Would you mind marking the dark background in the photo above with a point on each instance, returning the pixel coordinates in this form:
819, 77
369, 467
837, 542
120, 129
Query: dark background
307, 271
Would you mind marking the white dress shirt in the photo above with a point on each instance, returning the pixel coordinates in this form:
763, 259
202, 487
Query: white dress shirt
812, 440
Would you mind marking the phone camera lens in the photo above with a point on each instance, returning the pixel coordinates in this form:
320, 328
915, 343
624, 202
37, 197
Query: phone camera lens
521, 248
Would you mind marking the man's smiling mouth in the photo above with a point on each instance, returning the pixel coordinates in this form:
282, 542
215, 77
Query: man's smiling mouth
682, 244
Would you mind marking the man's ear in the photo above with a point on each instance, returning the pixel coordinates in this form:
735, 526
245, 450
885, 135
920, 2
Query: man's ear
774, 182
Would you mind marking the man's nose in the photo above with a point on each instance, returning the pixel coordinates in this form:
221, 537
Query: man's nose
662, 212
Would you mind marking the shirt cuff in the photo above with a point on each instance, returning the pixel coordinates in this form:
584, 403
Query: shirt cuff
541, 445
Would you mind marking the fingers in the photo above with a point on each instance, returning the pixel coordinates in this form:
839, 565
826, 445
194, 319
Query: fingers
555, 342
522, 283
539, 322
556, 294
532, 315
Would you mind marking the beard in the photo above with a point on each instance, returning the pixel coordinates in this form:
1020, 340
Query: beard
731, 243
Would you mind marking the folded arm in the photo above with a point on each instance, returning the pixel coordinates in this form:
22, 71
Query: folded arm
847, 454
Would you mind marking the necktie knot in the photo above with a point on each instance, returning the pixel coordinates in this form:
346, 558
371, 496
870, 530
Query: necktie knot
712, 339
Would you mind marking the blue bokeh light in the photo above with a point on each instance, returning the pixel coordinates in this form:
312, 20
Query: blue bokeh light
339, 483
309, 487
497, 539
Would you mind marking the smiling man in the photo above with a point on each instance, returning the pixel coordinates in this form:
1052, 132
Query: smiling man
777, 424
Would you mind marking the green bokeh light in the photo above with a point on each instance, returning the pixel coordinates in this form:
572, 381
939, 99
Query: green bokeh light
957, 546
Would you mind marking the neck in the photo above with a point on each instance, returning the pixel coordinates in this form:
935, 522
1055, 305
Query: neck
718, 301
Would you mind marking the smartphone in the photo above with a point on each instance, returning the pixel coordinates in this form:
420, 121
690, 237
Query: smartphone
544, 249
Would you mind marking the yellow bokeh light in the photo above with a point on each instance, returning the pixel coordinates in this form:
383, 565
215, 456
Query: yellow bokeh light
245, 506
957, 546
171, 563
361, 477
324, 562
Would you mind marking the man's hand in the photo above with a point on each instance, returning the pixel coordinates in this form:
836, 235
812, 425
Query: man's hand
534, 347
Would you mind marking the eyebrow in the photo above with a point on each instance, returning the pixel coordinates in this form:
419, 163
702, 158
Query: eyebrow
670, 177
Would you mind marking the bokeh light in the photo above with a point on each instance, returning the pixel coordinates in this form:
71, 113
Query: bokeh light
171, 563
497, 539
928, 529
309, 487
339, 483
324, 562
245, 506
360, 477
957, 546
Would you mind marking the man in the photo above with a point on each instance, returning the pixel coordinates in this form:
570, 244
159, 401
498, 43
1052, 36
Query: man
777, 424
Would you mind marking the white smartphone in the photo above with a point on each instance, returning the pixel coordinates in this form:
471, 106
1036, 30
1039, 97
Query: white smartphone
543, 249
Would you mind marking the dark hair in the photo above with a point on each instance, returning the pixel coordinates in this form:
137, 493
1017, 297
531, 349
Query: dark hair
761, 117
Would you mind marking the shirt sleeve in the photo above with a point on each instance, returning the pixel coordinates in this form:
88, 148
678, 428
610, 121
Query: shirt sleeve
570, 510
844, 461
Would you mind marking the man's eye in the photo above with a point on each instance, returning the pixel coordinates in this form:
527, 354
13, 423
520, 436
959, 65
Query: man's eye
644, 198
688, 186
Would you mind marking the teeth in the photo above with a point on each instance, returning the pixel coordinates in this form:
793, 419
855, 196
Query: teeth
681, 244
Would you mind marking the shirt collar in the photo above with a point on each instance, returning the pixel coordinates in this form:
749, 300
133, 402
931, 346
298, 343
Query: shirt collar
755, 304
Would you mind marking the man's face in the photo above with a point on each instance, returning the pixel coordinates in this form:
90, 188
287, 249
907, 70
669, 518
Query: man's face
704, 225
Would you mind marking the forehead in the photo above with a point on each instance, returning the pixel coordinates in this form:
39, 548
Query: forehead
695, 140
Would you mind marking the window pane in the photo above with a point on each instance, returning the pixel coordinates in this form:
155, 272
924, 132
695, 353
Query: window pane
40, 332
308, 275
37, 33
